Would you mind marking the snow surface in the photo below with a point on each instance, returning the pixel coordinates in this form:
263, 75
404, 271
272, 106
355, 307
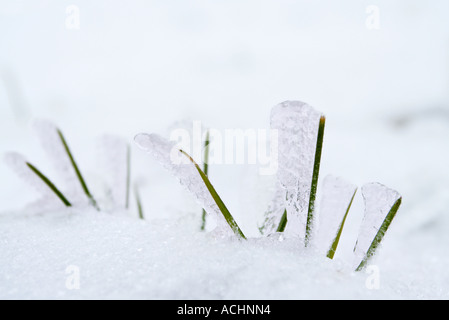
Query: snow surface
119, 256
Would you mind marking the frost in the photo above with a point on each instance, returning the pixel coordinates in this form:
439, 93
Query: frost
48, 136
114, 158
168, 155
378, 202
337, 195
297, 125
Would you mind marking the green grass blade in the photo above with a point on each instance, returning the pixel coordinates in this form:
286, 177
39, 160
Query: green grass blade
139, 203
227, 215
49, 184
380, 234
316, 171
205, 170
283, 222
77, 171
334, 245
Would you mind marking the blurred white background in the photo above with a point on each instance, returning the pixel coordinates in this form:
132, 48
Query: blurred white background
379, 70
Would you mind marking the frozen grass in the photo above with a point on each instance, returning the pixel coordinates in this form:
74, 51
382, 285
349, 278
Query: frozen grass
206, 171
139, 203
128, 177
333, 248
226, 214
380, 234
77, 171
316, 173
288, 116
204, 190
56, 146
50, 184
283, 222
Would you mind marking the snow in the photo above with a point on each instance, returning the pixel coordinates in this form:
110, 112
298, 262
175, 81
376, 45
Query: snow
122, 257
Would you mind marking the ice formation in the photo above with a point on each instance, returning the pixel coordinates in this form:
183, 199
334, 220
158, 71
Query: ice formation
379, 200
297, 125
169, 156
274, 212
114, 156
50, 139
337, 195
18, 164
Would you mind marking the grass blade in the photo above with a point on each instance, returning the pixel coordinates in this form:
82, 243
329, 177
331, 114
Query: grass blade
227, 215
274, 219
139, 203
316, 171
380, 234
77, 171
334, 245
205, 170
283, 222
297, 125
49, 184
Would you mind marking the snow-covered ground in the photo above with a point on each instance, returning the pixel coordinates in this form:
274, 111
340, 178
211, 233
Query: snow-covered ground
147, 65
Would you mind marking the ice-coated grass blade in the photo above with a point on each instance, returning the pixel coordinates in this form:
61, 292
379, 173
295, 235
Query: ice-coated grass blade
227, 215
316, 172
333, 248
77, 171
205, 170
380, 234
274, 219
283, 222
49, 184
139, 203
128, 174
297, 125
